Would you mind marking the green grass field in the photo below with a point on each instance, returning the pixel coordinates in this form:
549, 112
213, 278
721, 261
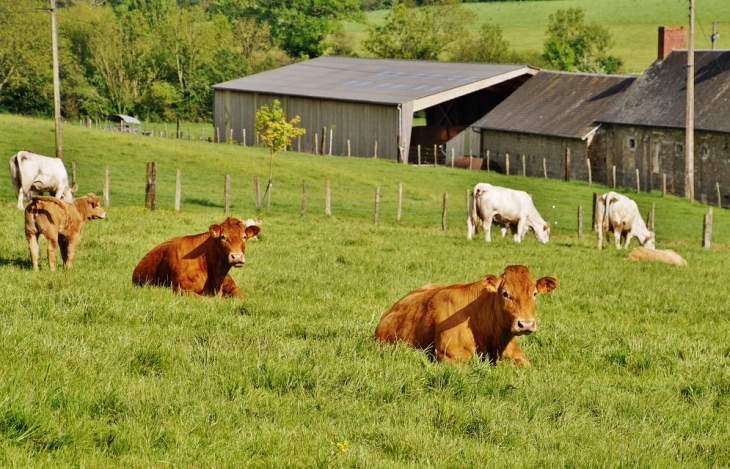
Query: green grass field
631, 360
634, 23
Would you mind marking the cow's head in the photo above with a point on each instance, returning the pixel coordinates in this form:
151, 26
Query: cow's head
231, 238
542, 233
648, 242
92, 207
516, 293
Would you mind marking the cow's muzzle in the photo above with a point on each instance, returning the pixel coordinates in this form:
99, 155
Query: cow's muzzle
524, 326
236, 259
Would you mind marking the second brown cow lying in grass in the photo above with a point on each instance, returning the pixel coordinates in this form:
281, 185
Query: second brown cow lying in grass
458, 321
61, 223
198, 264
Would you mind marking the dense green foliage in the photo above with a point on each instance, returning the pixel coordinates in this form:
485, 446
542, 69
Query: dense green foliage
631, 360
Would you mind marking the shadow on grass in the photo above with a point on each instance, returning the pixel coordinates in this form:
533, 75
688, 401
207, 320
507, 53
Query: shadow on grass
23, 263
203, 203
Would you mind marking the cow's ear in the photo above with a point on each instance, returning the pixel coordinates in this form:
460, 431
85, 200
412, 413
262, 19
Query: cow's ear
215, 230
252, 231
546, 226
491, 283
546, 285
74, 188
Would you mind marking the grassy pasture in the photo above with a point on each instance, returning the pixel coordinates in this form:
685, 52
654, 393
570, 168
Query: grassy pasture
631, 360
633, 23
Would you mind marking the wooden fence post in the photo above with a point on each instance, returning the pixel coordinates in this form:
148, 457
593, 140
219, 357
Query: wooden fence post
567, 164
151, 187
73, 173
650, 218
613, 175
377, 205
544, 167
707, 229
316, 143
257, 193
590, 175
244, 137
638, 181
400, 202
506, 163
375, 154
453, 156
719, 196
106, 185
227, 195
166, 131
178, 190
445, 209
419, 154
324, 140
230, 139
348, 147
580, 222
327, 199
304, 197
470, 159
332, 132
487, 160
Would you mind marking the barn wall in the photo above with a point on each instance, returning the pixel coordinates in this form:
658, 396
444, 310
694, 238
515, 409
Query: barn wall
362, 123
661, 151
537, 147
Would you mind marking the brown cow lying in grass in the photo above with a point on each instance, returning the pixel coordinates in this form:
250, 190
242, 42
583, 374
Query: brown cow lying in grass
662, 255
61, 223
458, 321
198, 264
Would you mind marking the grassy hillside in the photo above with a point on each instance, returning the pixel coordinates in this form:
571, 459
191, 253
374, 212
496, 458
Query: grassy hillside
633, 23
631, 362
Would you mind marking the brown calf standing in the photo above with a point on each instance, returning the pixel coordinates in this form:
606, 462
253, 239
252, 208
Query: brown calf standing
458, 321
61, 223
198, 264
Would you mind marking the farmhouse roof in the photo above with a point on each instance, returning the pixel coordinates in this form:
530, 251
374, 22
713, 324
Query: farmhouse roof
382, 81
122, 118
659, 97
557, 104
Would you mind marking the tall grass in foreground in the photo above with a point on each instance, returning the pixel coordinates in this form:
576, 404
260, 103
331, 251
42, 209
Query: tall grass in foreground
631, 360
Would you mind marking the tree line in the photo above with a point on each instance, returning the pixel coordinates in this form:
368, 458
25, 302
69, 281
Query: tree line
157, 59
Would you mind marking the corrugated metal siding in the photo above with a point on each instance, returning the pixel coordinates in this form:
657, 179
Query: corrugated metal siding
362, 123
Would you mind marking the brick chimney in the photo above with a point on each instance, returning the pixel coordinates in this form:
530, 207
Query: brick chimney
671, 37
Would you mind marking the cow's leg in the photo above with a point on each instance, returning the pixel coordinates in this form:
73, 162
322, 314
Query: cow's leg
521, 230
21, 197
629, 235
229, 287
51, 251
617, 238
487, 226
514, 353
503, 230
33, 248
68, 246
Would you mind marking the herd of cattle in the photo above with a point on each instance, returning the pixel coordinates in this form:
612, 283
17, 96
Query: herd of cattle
454, 322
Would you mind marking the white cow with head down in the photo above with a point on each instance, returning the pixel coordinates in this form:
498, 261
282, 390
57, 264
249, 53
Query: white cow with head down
507, 207
29, 171
619, 214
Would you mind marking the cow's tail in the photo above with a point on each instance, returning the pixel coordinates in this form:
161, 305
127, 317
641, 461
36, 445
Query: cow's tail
473, 210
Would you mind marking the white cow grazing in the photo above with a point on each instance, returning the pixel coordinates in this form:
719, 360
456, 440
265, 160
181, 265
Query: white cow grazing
39, 173
621, 215
506, 207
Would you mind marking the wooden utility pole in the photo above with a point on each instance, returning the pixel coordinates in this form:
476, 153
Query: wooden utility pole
689, 140
715, 35
56, 81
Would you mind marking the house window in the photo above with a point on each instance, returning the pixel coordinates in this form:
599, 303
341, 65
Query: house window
632, 144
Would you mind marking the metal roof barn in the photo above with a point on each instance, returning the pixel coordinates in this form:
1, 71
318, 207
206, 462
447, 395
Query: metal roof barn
365, 105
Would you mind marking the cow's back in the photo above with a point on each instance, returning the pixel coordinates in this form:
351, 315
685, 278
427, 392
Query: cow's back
48, 213
408, 320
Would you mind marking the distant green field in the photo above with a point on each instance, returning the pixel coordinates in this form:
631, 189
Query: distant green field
633, 23
631, 360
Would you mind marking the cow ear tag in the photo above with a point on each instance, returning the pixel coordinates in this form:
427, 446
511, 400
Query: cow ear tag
215, 230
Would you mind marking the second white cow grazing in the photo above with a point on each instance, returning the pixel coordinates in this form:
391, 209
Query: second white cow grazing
507, 207
29, 171
619, 214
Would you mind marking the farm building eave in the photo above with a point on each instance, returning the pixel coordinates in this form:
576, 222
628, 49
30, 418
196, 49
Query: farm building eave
378, 81
557, 104
658, 98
